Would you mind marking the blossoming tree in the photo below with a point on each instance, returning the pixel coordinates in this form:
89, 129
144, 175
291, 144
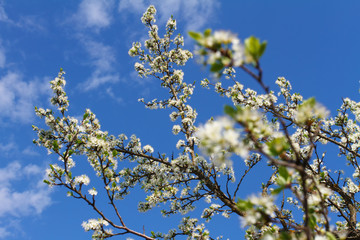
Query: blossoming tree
303, 197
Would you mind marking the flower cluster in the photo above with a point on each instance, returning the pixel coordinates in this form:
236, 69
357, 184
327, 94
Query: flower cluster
256, 208
219, 139
97, 225
278, 127
310, 111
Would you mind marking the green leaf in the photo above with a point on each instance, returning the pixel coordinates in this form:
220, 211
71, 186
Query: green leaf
71, 152
262, 48
285, 236
202, 52
195, 35
330, 236
86, 114
284, 178
46, 181
244, 205
207, 32
310, 102
312, 221
283, 182
114, 153
229, 110
254, 48
55, 145
277, 190
216, 67
226, 61
278, 146
252, 45
283, 172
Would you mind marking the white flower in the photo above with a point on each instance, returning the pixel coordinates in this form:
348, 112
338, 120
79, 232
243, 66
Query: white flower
238, 52
225, 37
180, 144
250, 218
174, 116
93, 192
225, 214
320, 237
310, 109
351, 186
94, 224
268, 237
83, 179
171, 23
219, 139
176, 129
148, 148
149, 15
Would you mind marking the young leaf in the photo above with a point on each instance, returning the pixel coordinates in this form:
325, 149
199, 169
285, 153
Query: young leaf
262, 48
277, 190
216, 67
229, 110
55, 145
244, 205
196, 36
226, 61
254, 48
252, 45
330, 236
207, 32
283, 172
86, 114
277, 146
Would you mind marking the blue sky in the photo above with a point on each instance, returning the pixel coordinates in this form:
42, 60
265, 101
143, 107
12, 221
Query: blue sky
314, 44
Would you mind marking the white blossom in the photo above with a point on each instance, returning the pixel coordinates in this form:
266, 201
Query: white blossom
93, 192
94, 224
176, 129
148, 148
83, 179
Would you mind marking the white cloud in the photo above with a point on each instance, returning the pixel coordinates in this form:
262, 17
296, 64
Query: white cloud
2, 54
2, 57
32, 169
11, 228
94, 13
102, 58
111, 94
4, 233
22, 194
194, 13
17, 97
28, 22
29, 151
136, 6
7, 147
31, 23
31, 201
8, 174
3, 15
